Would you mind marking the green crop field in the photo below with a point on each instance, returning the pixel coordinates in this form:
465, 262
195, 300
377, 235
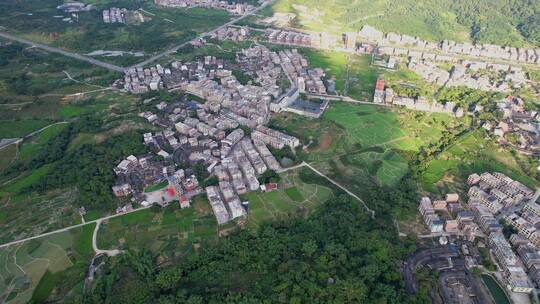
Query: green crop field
353, 74
170, 232
363, 142
34, 270
292, 197
164, 27
484, 21
173, 231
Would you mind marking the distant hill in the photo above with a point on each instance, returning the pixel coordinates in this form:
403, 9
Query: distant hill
503, 22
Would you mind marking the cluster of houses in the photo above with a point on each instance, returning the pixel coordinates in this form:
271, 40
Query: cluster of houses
385, 95
472, 74
460, 222
346, 42
211, 134
231, 33
287, 37
115, 15
237, 8
141, 80
75, 7
296, 67
396, 44
497, 191
518, 126
494, 197
212, 79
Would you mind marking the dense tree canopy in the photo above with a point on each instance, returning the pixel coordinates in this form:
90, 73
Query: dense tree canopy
338, 255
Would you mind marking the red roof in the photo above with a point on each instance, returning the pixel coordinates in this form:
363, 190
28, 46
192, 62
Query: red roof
270, 186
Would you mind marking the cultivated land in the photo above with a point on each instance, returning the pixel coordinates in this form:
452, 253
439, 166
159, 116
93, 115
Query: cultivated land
34, 20
34, 85
363, 143
174, 232
32, 212
363, 147
46, 268
473, 152
294, 197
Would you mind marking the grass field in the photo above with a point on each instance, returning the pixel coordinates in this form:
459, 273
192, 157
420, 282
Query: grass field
293, 197
170, 232
20, 128
472, 153
353, 74
48, 267
363, 143
165, 27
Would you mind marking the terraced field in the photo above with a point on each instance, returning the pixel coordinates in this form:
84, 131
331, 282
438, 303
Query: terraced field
35, 269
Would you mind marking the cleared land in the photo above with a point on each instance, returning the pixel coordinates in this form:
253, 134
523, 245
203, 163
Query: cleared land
46, 268
35, 20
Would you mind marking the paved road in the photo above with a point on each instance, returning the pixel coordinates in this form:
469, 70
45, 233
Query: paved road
71, 227
63, 52
5, 142
94, 243
176, 48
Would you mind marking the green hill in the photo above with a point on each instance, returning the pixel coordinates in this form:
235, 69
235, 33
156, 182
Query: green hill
512, 22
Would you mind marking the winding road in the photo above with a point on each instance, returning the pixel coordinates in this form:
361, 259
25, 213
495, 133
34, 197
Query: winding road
73, 227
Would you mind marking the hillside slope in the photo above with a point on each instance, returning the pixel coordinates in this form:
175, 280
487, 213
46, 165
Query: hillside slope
512, 22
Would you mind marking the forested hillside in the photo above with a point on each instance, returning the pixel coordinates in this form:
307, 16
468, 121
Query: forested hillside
513, 22
338, 255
